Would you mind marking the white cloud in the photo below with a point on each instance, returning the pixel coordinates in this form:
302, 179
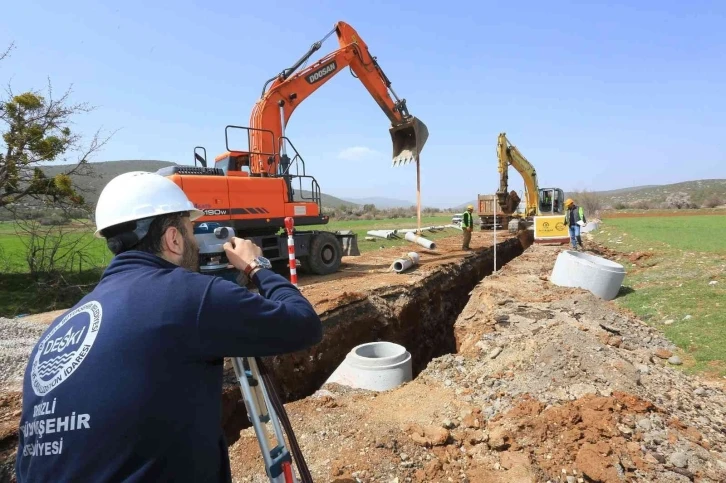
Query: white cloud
357, 153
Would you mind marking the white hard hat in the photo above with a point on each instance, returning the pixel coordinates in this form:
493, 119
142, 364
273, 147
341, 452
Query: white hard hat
140, 194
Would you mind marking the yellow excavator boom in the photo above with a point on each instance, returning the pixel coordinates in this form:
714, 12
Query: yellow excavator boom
509, 155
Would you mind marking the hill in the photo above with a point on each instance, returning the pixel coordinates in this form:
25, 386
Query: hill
328, 201
103, 172
698, 190
382, 202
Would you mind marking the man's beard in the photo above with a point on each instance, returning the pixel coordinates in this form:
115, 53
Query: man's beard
190, 257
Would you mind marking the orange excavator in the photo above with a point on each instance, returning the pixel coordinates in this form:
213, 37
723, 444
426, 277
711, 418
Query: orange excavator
252, 188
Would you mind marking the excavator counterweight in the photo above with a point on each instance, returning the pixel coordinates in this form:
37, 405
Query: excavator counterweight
408, 139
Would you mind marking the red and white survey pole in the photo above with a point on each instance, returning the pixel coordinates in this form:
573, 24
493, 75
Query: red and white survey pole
290, 226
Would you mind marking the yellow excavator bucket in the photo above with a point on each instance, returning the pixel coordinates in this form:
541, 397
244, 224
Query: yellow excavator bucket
408, 139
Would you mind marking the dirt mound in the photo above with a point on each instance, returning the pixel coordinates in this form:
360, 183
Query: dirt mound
549, 384
598, 438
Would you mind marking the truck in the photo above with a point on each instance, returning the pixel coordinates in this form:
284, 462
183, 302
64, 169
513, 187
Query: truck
486, 206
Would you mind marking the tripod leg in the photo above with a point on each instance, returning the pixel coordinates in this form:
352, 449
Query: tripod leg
278, 462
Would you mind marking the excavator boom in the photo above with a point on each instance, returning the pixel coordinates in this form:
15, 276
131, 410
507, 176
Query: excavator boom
508, 154
283, 93
258, 188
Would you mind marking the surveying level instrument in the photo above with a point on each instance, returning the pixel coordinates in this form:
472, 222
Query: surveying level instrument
258, 393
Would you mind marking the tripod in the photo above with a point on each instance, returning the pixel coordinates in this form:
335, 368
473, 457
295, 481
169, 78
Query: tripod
263, 406
258, 392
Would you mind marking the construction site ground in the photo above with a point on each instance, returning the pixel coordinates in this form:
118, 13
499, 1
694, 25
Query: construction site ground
515, 380
358, 277
546, 384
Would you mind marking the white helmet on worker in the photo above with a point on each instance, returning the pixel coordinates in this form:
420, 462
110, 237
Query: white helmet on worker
140, 195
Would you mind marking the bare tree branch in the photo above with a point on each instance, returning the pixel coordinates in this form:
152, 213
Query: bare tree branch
38, 131
7, 51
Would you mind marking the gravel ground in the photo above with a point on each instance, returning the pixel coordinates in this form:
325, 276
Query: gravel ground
17, 338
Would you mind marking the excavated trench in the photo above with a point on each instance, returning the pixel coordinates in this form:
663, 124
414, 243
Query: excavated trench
420, 317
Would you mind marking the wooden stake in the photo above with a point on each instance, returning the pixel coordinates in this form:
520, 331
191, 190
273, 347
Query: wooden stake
418, 193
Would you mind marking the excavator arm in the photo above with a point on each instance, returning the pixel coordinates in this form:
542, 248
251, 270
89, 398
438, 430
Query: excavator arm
508, 154
290, 88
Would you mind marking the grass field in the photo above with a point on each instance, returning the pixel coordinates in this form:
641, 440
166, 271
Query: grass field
20, 294
13, 248
672, 284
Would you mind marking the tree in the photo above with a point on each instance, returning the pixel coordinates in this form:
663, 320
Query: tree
35, 130
679, 200
592, 202
713, 201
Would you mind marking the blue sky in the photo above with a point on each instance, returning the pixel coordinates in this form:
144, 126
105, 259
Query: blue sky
597, 95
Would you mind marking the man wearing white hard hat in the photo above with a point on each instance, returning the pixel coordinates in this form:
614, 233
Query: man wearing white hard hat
127, 385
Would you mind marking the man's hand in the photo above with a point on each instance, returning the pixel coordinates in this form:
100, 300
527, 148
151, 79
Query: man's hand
241, 252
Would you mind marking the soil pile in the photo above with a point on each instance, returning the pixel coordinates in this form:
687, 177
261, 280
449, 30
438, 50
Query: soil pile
549, 384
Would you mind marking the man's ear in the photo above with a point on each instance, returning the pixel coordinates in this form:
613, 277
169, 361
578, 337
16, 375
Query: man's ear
173, 241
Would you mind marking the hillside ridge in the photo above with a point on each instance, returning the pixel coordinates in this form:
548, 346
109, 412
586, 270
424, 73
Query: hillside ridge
699, 191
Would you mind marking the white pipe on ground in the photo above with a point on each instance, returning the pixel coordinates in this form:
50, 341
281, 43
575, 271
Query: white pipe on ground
387, 234
412, 237
426, 228
403, 264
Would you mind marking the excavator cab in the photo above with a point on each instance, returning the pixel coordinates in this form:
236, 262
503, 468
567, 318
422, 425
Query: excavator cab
408, 139
234, 163
551, 201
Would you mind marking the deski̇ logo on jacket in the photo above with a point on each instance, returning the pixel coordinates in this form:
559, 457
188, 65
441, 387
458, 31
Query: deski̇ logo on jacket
64, 348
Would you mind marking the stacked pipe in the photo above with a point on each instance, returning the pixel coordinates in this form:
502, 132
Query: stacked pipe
387, 234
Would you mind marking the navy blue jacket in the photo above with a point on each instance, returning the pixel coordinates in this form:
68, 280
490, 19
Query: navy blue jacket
127, 385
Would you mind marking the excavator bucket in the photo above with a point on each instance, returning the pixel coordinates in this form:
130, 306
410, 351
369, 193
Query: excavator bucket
508, 202
408, 139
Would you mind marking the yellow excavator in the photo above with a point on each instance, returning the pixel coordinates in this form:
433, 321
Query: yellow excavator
543, 207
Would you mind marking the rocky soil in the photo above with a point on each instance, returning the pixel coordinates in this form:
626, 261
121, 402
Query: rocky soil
541, 384
548, 384
364, 298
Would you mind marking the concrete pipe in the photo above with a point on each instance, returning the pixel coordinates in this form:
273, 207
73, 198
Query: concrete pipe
425, 228
412, 237
403, 264
590, 226
598, 275
375, 366
387, 234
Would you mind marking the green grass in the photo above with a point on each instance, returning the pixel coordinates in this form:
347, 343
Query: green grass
361, 227
670, 289
694, 233
13, 249
20, 293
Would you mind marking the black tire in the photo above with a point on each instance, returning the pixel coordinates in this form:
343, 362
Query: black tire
305, 265
325, 254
